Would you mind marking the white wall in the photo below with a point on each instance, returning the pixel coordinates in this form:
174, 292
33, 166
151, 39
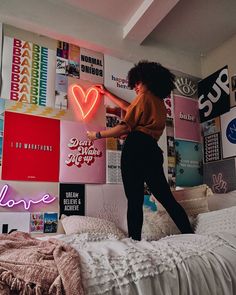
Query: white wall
219, 57
67, 24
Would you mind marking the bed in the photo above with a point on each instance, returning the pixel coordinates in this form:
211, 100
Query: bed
105, 262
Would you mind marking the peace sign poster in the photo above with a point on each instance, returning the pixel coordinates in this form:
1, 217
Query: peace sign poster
220, 175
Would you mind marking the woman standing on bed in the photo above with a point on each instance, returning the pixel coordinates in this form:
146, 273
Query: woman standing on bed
142, 158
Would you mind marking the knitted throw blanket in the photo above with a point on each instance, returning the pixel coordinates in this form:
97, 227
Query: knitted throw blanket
32, 267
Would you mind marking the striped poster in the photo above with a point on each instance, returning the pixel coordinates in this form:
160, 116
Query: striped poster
28, 72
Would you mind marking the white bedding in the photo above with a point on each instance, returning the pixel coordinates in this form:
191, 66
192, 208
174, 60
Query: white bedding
175, 265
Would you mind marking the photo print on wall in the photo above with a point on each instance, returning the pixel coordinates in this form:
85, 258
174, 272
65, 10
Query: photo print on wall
211, 126
36, 222
50, 222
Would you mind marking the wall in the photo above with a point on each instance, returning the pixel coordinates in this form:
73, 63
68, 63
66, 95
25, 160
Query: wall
64, 23
43, 29
219, 57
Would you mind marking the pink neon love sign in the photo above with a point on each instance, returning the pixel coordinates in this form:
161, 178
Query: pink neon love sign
87, 102
46, 199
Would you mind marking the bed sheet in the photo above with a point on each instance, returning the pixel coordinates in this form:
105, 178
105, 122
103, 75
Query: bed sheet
187, 264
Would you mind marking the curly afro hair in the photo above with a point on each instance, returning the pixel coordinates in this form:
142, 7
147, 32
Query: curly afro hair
159, 80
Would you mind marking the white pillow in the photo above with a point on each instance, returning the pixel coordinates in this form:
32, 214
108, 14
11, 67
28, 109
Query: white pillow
223, 220
157, 225
221, 201
193, 199
194, 192
76, 224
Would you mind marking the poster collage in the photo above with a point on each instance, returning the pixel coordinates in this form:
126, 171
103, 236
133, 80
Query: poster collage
217, 106
47, 103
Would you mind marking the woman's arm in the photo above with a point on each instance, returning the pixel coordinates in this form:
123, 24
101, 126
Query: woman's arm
116, 131
123, 104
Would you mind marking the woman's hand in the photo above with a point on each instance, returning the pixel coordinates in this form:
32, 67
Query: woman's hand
91, 135
101, 88
121, 103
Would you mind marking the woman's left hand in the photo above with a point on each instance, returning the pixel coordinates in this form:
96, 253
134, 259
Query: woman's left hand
91, 135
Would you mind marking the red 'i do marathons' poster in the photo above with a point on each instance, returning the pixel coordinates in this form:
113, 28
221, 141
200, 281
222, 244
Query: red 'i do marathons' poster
31, 148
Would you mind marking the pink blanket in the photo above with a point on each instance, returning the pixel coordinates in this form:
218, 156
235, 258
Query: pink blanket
30, 266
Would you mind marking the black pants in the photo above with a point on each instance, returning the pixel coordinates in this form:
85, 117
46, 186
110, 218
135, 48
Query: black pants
142, 161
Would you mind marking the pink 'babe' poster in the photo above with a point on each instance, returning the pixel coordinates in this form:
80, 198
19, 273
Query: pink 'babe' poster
186, 119
81, 160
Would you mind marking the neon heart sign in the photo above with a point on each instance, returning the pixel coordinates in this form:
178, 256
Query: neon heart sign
87, 102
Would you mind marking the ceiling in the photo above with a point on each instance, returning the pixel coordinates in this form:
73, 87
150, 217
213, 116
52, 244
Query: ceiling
193, 26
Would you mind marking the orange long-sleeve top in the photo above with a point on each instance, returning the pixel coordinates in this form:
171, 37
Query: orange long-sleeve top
146, 113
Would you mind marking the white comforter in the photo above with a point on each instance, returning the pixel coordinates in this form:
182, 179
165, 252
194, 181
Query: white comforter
175, 265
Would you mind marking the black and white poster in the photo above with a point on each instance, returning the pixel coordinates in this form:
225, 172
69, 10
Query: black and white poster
72, 199
91, 66
220, 175
212, 148
213, 95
